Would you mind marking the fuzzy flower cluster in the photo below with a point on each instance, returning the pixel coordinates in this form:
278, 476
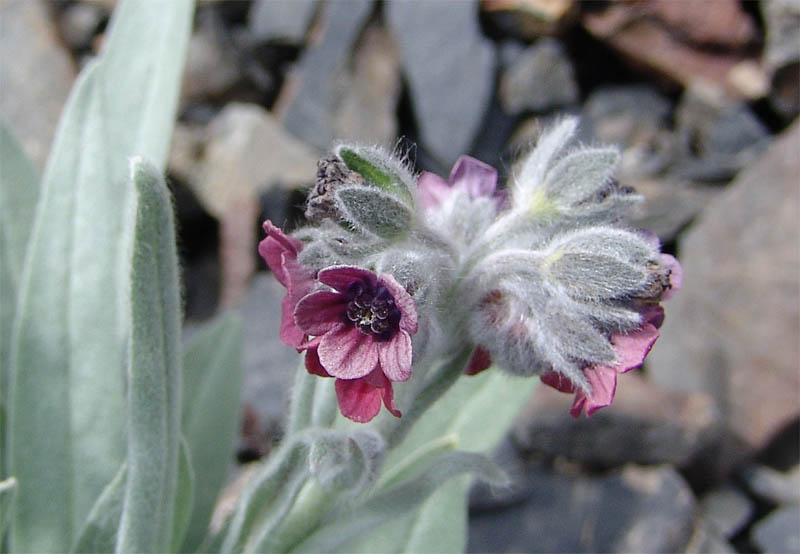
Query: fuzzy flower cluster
543, 278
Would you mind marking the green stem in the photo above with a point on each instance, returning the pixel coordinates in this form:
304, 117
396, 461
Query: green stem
301, 401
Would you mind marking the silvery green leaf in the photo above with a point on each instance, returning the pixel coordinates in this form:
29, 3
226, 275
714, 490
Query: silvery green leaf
597, 277
373, 211
534, 167
8, 493
581, 174
184, 497
577, 338
380, 169
212, 382
19, 192
343, 526
474, 414
154, 371
267, 497
99, 531
346, 462
71, 330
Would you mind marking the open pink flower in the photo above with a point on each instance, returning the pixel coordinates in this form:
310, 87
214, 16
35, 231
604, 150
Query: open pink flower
362, 336
468, 174
280, 252
631, 348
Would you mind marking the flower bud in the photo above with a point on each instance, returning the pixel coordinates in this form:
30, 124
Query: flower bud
346, 462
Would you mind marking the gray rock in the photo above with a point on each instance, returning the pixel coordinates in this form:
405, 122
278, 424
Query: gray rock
366, 113
773, 485
707, 540
79, 23
716, 138
728, 509
34, 87
280, 20
732, 330
633, 510
211, 68
269, 365
646, 424
542, 78
312, 92
246, 152
779, 531
450, 68
782, 55
488, 497
635, 118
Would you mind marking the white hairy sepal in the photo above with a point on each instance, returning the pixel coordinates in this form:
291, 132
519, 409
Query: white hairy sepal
569, 186
380, 169
346, 462
371, 211
461, 220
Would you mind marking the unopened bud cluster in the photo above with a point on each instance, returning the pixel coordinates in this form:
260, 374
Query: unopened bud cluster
543, 277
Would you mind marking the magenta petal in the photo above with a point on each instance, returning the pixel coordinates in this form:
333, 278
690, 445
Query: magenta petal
558, 382
603, 380
347, 353
432, 190
290, 333
341, 277
274, 247
313, 365
387, 393
357, 399
675, 275
319, 311
479, 361
474, 176
395, 357
632, 348
403, 301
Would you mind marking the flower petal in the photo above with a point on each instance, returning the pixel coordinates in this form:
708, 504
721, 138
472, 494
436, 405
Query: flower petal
603, 380
290, 333
341, 277
558, 382
379, 381
313, 365
474, 176
395, 356
479, 361
347, 353
432, 190
358, 400
403, 301
273, 248
320, 311
632, 348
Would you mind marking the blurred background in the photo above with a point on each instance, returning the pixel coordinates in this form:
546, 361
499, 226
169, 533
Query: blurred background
700, 451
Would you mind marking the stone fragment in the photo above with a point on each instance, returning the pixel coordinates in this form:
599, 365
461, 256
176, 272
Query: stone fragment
633, 510
541, 78
732, 330
211, 68
246, 152
782, 54
366, 113
728, 509
646, 424
450, 69
280, 20
772, 485
779, 531
530, 19
79, 22
707, 540
715, 137
35, 85
312, 92
627, 26
729, 27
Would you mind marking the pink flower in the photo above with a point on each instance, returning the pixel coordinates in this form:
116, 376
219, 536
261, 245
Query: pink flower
362, 336
631, 348
468, 174
280, 252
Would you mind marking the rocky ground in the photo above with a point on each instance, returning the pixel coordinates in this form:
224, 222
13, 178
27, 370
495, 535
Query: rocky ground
700, 450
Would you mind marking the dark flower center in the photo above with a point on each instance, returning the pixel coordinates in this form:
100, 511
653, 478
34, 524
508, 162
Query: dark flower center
372, 310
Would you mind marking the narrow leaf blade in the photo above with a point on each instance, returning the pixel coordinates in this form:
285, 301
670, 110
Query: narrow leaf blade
153, 410
99, 532
212, 382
